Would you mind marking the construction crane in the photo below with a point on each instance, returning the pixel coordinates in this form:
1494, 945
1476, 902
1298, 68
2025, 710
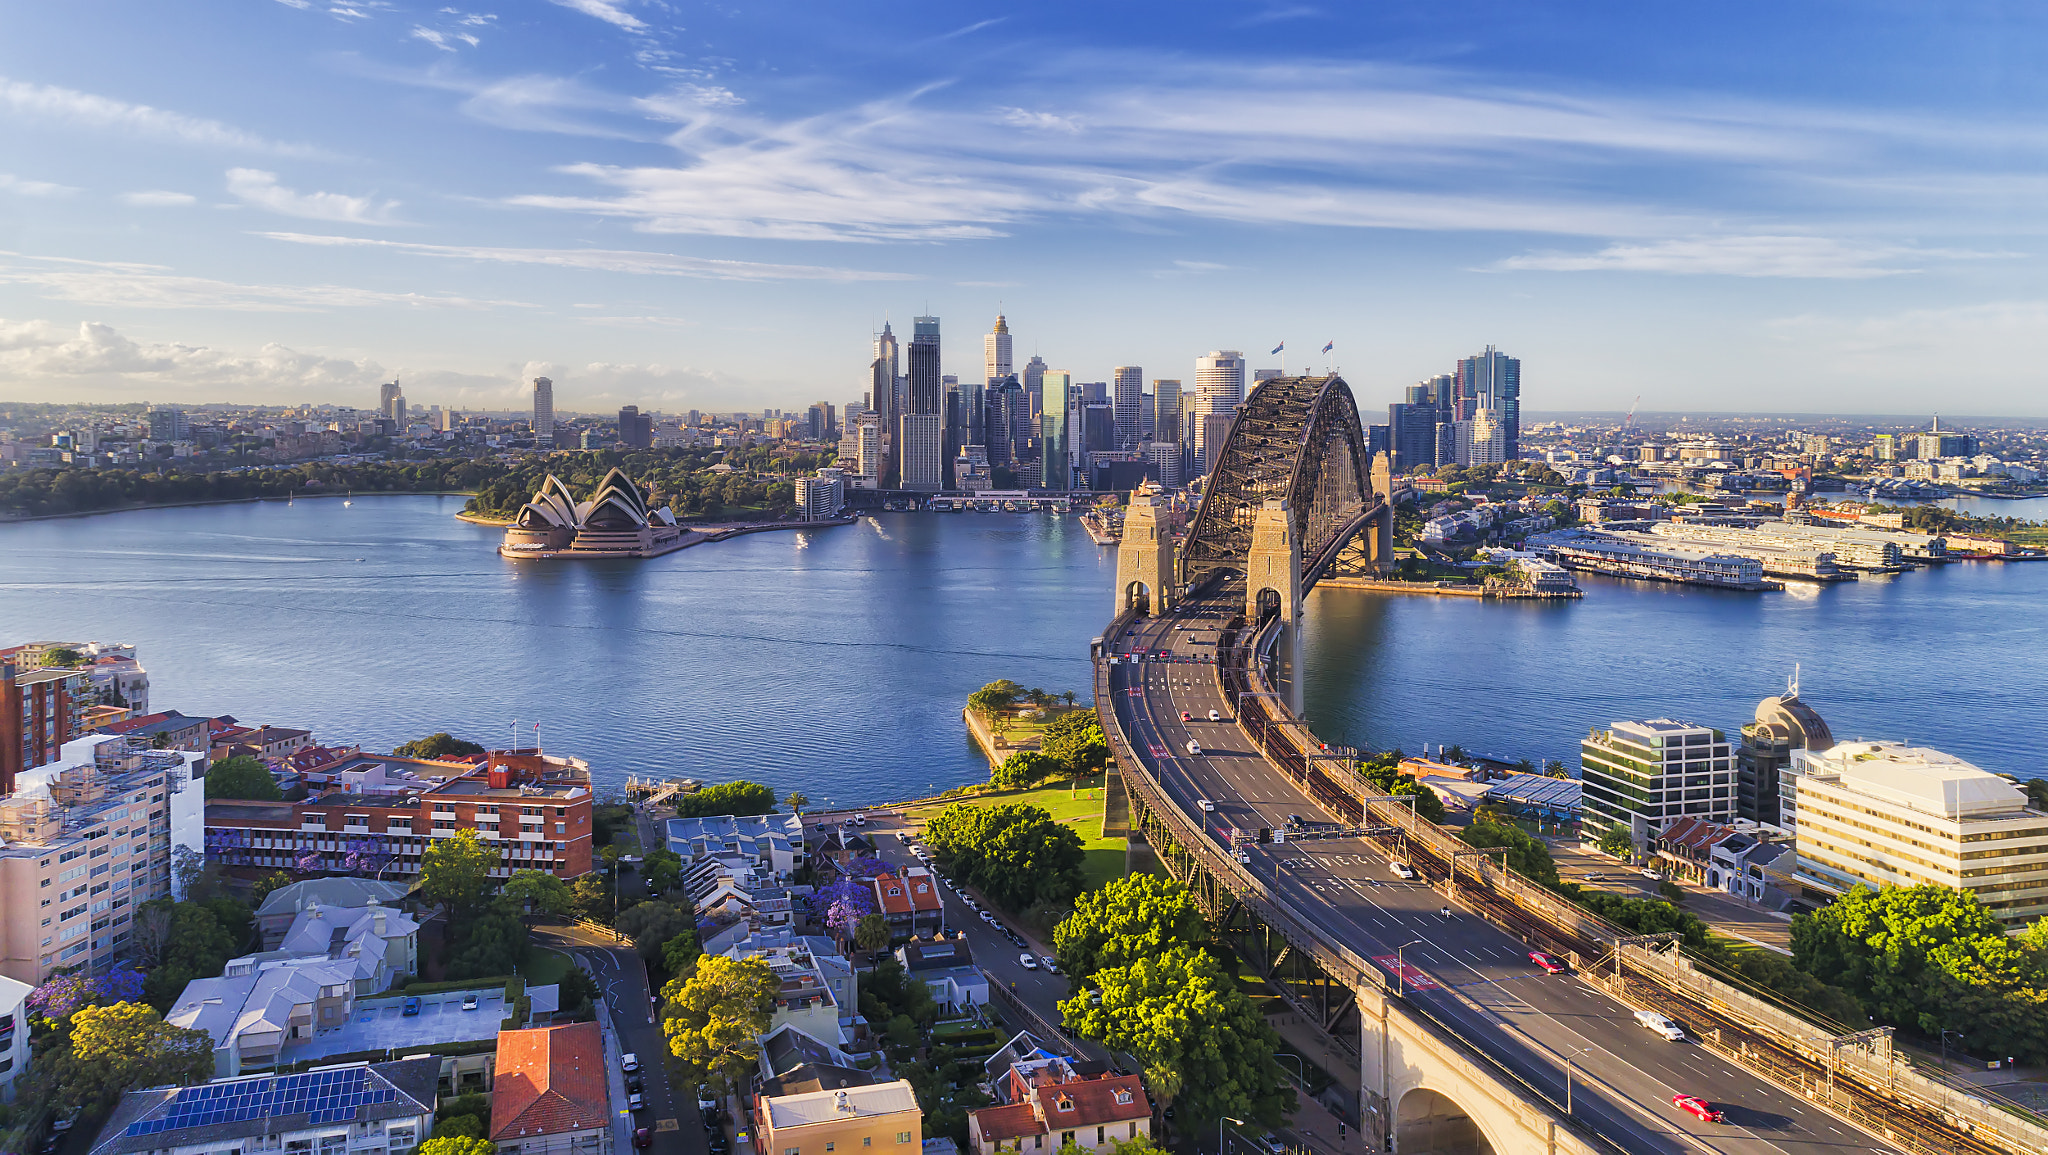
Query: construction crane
1628, 423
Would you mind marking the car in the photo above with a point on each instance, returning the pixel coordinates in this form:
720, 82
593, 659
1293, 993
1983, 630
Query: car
847, 824
1027, 962
705, 1100
1051, 964
1215, 716
1550, 963
1402, 870
634, 1083
1205, 804
988, 918
1244, 858
643, 1137
1698, 1108
1595, 876
412, 1006
470, 1001
1194, 747
1661, 1025
903, 836
1272, 1143
1652, 875
860, 820
1186, 717
629, 1062
635, 1101
1296, 822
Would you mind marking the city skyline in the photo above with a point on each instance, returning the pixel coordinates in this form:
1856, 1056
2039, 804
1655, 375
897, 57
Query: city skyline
1722, 211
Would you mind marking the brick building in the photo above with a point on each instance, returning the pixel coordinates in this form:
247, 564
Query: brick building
40, 710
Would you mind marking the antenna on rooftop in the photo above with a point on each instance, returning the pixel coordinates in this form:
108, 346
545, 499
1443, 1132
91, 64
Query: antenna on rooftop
1792, 684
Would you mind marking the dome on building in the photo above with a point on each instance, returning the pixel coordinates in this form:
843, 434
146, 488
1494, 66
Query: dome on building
1791, 719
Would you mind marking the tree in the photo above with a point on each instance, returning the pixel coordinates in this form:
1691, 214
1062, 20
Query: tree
1186, 1021
492, 944
681, 952
459, 1126
593, 894
262, 887
796, 802
994, 698
1137, 916
242, 777
714, 1018
196, 945
727, 798
1555, 769
1527, 855
1616, 841
539, 892
1077, 743
1428, 806
61, 995
871, 933
578, 994
662, 869
125, 1046
842, 905
441, 745
1024, 769
456, 873
457, 1145
652, 924
1016, 854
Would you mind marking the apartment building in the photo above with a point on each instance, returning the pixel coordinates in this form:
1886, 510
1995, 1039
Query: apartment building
881, 1119
14, 1048
85, 840
1882, 814
40, 710
361, 1107
533, 809
1639, 776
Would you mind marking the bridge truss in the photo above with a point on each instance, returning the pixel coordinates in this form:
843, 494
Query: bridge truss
1297, 438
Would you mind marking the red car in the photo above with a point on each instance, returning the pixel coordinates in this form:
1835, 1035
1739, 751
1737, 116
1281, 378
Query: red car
642, 1137
1697, 1107
1186, 717
1551, 964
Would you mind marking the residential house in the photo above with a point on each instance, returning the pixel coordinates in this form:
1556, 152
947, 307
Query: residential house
910, 902
1045, 1102
551, 1095
281, 907
362, 1107
946, 966
881, 1119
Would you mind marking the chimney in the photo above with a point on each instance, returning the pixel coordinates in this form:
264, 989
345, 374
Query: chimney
378, 922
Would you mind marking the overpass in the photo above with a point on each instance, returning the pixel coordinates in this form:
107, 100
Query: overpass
1463, 1045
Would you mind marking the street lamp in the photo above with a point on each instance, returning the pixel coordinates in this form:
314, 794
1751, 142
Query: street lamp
1401, 967
1568, 1079
1300, 1067
1944, 1047
1219, 1131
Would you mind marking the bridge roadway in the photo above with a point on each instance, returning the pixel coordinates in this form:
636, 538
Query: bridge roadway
1474, 977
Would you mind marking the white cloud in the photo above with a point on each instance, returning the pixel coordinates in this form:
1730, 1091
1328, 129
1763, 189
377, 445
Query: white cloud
432, 37
1025, 118
261, 189
33, 188
598, 383
609, 260
158, 198
97, 356
63, 105
154, 287
1745, 256
607, 11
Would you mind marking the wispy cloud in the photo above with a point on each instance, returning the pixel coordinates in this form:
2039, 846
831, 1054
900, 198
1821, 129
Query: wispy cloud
1748, 256
33, 188
970, 29
50, 104
608, 11
136, 286
158, 198
606, 260
1190, 269
261, 189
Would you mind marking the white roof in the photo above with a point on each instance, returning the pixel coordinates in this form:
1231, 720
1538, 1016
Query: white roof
1921, 779
847, 1103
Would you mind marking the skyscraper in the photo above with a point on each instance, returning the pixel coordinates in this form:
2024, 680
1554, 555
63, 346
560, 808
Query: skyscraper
882, 403
1034, 385
922, 455
926, 388
1129, 395
1005, 421
1166, 410
385, 393
1493, 380
1056, 470
1219, 389
543, 411
995, 348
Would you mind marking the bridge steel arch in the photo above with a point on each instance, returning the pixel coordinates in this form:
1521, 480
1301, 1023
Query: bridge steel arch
1297, 439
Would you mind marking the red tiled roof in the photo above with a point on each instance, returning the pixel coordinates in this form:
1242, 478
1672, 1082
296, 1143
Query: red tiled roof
889, 894
1095, 1101
549, 1080
1000, 1124
136, 723
924, 894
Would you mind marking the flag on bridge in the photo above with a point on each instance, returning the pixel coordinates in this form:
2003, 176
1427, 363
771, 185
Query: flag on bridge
1330, 346
1277, 348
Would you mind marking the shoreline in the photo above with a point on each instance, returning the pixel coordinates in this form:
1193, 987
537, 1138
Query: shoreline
12, 519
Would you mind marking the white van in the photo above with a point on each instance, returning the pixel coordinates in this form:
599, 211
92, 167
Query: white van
1661, 1025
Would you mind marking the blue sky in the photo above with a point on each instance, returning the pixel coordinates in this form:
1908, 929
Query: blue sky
1782, 206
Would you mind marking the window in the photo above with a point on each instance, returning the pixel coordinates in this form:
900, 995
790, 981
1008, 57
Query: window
1066, 1137
792, 1151
903, 1136
829, 1145
1098, 1136
561, 812
1134, 1129
561, 828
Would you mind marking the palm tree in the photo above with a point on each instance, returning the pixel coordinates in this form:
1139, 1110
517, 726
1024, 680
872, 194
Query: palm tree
1069, 696
797, 801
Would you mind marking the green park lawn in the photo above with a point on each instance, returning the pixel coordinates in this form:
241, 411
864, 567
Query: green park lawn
545, 967
1077, 804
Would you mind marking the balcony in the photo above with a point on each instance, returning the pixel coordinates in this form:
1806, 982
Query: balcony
363, 829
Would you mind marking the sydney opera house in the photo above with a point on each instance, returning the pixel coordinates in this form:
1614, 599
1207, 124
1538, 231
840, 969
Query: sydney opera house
615, 522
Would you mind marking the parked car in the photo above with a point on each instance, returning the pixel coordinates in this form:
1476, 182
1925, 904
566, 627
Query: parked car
1051, 964
704, 1100
1272, 1143
1652, 875
903, 836
860, 820
1550, 963
470, 1001
643, 1137
1698, 1108
412, 1006
629, 1062
636, 1102
1027, 962
635, 1083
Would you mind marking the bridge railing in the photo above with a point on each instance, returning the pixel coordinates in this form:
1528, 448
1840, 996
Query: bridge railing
1290, 745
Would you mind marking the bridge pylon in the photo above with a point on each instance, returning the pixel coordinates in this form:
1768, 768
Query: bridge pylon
1272, 587
1144, 558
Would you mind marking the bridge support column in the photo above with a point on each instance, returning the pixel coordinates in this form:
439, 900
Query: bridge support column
1375, 1113
1273, 588
1144, 558
1379, 538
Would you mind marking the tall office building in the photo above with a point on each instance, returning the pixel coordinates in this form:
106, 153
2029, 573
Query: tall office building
1219, 389
1033, 379
167, 424
1130, 396
1492, 380
995, 351
1055, 448
923, 452
926, 387
1638, 776
882, 402
1482, 440
636, 429
543, 411
1098, 429
385, 393
1005, 420
921, 455
1166, 410
1411, 428
954, 410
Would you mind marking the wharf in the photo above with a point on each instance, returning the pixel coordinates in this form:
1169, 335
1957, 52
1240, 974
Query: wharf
1098, 531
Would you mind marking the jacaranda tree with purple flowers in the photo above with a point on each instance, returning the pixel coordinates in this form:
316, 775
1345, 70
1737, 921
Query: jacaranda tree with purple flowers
62, 995
842, 905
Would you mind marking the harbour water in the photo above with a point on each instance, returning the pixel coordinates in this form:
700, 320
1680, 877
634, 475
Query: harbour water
837, 660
